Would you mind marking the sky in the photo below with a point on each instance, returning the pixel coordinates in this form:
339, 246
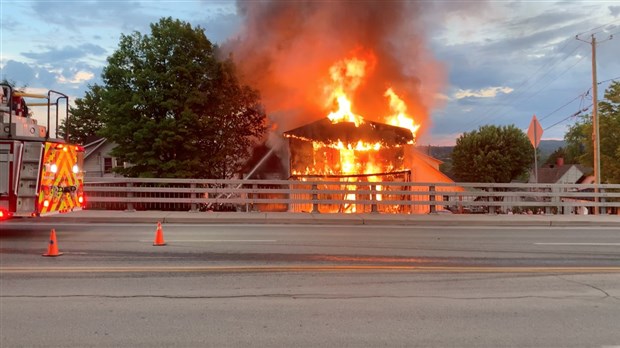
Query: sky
501, 62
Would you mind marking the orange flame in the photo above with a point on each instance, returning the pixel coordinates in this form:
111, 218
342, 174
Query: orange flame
346, 75
400, 117
360, 157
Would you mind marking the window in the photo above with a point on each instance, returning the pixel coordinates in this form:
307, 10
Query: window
107, 165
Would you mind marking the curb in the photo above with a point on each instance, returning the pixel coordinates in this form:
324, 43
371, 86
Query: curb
101, 216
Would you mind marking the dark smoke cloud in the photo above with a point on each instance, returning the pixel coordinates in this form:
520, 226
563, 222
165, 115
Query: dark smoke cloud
285, 49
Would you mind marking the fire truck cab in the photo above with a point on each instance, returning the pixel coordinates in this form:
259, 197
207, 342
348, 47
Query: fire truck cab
39, 173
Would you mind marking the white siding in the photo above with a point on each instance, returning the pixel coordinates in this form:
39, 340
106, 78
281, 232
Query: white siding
93, 165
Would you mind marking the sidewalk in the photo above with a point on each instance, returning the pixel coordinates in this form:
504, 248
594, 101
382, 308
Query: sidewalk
109, 216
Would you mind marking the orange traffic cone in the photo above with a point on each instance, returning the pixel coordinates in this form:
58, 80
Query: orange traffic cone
52, 247
159, 236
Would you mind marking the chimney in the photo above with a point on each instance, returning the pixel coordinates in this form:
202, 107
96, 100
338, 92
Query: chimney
559, 161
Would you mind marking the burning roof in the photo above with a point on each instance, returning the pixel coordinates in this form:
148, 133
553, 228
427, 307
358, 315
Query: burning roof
325, 131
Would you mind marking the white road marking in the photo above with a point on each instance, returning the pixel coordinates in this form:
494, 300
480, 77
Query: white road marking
217, 240
601, 244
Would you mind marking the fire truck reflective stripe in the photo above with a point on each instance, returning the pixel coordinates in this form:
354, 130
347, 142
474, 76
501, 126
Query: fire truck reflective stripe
62, 187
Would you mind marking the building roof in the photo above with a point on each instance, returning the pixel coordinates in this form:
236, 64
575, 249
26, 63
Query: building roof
553, 173
92, 146
325, 131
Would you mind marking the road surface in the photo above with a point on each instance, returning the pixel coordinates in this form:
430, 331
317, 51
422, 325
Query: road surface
311, 286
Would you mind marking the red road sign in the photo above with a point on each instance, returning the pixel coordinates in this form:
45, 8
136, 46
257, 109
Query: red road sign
535, 132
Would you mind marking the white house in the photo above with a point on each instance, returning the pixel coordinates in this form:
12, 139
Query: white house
560, 173
97, 159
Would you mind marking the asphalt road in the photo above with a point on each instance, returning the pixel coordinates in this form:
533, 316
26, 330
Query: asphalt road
314, 286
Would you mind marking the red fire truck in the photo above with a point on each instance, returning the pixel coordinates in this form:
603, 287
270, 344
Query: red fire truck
39, 173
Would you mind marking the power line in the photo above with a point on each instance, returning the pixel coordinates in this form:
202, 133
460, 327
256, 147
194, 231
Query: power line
557, 77
612, 79
573, 115
550, 65
519, 94
599, 27
582, 95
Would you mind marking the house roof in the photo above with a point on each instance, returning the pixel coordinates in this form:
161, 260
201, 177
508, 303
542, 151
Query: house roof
553, 173
92, 146
325, 131
427, 158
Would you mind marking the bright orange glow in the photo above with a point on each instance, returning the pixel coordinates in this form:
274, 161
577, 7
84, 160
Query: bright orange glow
349, 158
346, 76
400, 117
46, 203
80, 199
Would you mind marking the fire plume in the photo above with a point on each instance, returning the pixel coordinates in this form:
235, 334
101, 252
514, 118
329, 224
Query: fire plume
400, 117
346, 77
350, 149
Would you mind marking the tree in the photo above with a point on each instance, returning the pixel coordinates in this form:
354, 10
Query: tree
579, 136
492, 154
85, 120
174, 109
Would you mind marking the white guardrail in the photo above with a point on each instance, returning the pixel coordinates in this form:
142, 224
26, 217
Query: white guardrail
336, 195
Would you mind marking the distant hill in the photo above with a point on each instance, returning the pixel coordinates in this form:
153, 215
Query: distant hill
547, 147
443, 153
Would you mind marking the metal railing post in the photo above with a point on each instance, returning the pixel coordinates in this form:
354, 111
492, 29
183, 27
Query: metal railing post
492, 208
194, 206
553, 199
254, 195
130, 206
602, 200
431, 197
289, 205
373, 206
315, 197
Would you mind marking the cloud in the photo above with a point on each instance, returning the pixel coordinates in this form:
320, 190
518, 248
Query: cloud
490, 92
78, 77
77, 15
20, 73
62, 55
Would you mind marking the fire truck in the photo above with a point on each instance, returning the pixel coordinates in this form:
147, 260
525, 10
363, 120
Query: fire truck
40, 174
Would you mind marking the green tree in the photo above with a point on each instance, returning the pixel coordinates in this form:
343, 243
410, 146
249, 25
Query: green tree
492, 154
85, 118
174, 109
579, 136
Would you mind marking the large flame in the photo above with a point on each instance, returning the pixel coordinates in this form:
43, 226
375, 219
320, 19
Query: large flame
346, 77
400, 118
360, 156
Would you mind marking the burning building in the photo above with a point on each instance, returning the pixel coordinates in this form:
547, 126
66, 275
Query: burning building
346, 147
344, 81
324, 148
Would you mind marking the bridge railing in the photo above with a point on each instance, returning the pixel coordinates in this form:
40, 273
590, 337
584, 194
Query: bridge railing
333, 196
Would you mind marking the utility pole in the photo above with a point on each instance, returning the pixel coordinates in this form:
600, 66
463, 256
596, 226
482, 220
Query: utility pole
596, 142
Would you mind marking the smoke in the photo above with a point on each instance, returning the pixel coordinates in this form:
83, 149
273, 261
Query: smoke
286, 48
